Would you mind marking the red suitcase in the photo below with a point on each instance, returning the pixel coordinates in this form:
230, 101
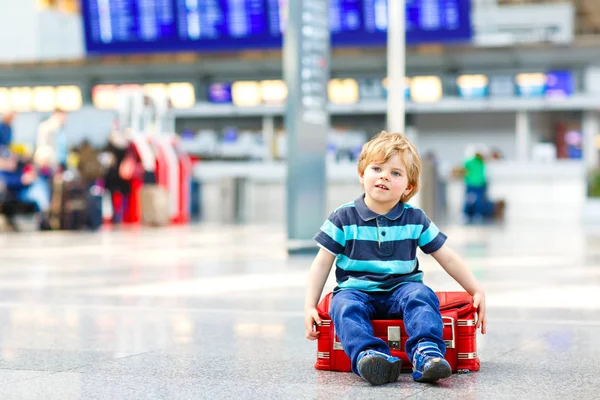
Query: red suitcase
458, 315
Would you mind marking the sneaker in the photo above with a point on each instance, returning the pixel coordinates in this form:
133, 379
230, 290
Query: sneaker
378, 368
430, 366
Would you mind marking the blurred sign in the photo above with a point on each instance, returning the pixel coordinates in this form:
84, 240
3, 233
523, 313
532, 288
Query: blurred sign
179, 94
530, 84
126, 26
105, 97
343, 91
552, 84
425, 89
68, 98
44, 98
472, 86
41, 98
506, 25
427, 21
273, 92
246, 93
559, 84
21, 98
4, 100
220, 92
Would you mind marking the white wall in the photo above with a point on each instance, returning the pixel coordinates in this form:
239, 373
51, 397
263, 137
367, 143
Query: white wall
448, 135
32, 35
18, 38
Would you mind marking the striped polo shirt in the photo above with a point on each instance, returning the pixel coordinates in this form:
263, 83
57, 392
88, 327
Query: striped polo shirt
378, 252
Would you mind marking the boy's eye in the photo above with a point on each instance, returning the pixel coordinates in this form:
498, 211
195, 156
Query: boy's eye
396, 173
377, 169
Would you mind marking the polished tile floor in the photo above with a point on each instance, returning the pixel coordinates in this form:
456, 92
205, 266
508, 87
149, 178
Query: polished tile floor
210, 312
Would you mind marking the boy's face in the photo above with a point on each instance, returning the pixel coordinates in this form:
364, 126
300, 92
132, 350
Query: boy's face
386, 183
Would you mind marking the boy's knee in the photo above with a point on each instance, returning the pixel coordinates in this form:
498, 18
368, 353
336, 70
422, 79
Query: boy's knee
423, 293
345, 308
348, 305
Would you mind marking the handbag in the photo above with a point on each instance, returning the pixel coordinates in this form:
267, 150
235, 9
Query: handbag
129, 167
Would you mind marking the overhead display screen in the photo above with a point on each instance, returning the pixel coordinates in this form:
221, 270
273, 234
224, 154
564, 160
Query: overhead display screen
130, 26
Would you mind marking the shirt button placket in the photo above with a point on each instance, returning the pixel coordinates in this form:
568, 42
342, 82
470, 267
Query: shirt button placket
386, 246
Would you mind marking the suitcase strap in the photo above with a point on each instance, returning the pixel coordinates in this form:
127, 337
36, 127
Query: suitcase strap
394, 334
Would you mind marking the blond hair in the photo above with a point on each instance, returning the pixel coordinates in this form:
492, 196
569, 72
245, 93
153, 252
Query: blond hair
382, 147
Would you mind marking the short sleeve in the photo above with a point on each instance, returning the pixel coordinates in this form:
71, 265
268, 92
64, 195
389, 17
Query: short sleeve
331, 235
431, 239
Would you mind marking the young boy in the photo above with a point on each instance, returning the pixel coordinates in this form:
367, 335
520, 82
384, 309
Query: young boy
373, 242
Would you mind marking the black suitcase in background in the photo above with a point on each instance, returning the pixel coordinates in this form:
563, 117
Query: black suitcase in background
94, 209
68, 209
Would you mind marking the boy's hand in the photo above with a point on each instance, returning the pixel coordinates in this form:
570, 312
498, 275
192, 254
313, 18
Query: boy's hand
311, 317
479, 304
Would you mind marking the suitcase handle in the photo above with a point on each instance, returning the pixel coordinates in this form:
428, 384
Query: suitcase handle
450, 344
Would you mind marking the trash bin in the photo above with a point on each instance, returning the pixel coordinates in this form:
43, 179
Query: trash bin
196, 200
433, 190
234, 198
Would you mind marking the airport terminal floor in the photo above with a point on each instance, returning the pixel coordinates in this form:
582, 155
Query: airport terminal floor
206, 311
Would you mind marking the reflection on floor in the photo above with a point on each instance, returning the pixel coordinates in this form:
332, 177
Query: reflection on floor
212, 312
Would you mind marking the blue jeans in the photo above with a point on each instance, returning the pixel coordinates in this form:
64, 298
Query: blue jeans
415, 303
477, 202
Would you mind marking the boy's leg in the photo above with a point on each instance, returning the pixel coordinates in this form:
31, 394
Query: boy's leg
419, 307
351, 312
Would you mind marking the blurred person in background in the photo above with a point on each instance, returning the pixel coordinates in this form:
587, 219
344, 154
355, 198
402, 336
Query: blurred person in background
19, 179
117, 148
52, 142
477, 205
6, 132
88, 165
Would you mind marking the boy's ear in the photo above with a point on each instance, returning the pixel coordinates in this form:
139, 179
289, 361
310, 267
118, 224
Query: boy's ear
361, 178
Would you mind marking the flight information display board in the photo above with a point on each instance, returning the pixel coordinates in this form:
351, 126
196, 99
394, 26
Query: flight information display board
427, 21
129, 26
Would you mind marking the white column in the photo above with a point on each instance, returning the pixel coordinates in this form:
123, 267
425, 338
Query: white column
268, 132
396, 65
523, 136
590, 128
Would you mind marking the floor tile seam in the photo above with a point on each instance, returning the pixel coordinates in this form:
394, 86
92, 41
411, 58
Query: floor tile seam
76, 369
72, 369
115, 359
48, 374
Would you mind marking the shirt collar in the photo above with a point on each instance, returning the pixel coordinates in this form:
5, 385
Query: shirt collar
367, 214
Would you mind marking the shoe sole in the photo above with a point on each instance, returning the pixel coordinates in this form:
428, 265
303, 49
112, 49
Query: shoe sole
377, 370
436, 372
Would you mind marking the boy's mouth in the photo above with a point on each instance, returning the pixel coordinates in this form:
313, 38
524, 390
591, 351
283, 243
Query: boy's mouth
382, 187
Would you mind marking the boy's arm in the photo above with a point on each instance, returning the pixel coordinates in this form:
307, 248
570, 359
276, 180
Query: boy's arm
317, 276
455, 266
